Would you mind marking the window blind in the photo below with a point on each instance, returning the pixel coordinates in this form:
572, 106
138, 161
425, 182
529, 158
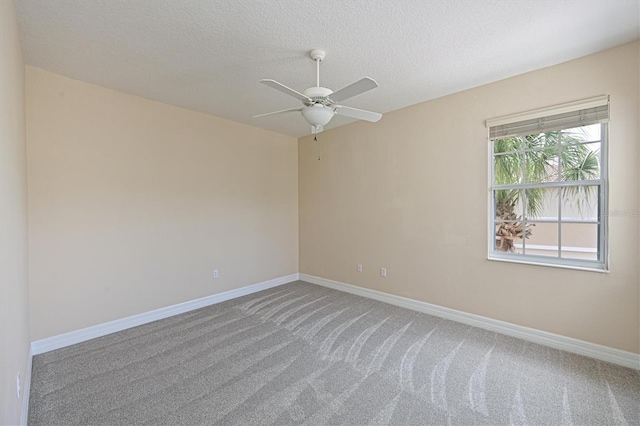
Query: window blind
566, 116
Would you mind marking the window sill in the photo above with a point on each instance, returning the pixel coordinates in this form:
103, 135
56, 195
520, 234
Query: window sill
602, 270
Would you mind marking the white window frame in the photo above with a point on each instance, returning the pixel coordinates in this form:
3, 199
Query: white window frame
544, 120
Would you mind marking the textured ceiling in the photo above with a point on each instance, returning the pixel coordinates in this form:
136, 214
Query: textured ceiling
209, 55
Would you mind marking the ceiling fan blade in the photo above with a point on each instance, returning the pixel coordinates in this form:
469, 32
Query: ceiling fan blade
278, 112
353, 89
284, 89
360, 114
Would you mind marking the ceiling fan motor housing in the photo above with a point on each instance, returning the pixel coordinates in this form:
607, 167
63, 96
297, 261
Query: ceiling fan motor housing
318, 94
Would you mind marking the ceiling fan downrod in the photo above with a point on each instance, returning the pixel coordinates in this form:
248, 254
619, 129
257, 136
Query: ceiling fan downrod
317, 55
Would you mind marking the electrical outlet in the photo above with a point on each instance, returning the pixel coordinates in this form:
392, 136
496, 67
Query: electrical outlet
359, 267
215, 274
18, 385
383, 272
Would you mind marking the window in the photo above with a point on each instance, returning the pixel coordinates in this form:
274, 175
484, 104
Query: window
548, 186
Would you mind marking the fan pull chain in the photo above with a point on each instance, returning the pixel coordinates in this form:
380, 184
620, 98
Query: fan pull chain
315, 139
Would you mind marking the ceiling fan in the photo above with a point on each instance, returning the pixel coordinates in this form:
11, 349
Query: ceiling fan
320, 103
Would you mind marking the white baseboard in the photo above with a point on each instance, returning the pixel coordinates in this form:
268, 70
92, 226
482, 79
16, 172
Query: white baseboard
77, 336
569, 344
26, 391
593, 350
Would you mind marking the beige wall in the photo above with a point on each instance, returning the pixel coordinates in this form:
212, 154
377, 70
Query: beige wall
14, 313
410, 194
133, 203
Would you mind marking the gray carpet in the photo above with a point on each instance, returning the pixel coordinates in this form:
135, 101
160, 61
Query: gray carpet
304, 354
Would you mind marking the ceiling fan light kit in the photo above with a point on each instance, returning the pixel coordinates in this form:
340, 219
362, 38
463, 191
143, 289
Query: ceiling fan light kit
317, 114
321, 103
